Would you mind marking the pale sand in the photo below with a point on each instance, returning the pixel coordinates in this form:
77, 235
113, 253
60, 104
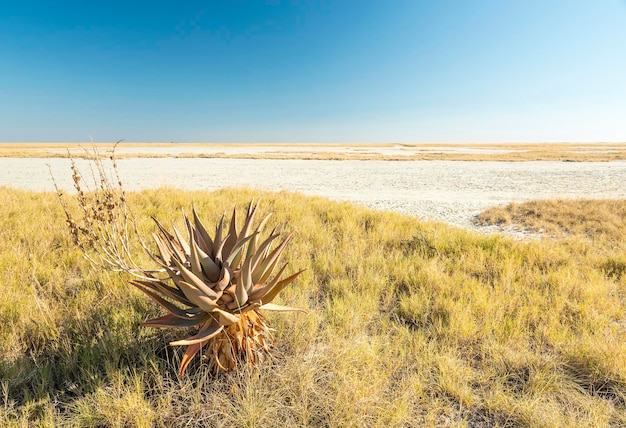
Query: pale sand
449, 191
425, 151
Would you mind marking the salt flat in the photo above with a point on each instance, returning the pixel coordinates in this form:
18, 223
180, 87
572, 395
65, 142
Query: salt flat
449, 191
513, 152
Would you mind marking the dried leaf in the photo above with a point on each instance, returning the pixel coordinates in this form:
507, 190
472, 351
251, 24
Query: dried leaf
190, 352
279, 308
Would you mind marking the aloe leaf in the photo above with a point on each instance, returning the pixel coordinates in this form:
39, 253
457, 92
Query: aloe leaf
258, 256
190, 352
175, 294
164, 252
217, 242
175, 277
207, 332
271, 294
243, 309
250, 251
160, 288
169, 306
225, 318
245, 230
182, 241
170, 320
241, 288
259, 293
280, 308
261, 225
224, 280
219, 253
246, 273
210, 269
197, 297
263, 270
170, 239
191, 231
206, 243
267, 271
250, 306
235, 254
195, 281
231, 240
163, 230
252, 247
195, 258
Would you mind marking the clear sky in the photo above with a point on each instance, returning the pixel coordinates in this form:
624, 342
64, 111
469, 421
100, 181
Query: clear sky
313, 71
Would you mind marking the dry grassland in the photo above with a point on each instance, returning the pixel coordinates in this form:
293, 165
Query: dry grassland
408, 324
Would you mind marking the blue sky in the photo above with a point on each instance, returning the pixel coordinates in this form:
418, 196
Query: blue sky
313, 71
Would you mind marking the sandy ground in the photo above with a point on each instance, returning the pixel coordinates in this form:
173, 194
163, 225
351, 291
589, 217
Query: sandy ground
278, 149
449, 191
174, 149
514, 152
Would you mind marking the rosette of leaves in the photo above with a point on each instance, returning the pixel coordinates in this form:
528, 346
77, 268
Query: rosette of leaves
218, 284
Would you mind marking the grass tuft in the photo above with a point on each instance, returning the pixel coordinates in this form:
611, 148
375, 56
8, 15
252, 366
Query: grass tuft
600, 220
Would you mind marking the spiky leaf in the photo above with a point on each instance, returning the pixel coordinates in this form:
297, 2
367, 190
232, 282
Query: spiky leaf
170, 320
209, 330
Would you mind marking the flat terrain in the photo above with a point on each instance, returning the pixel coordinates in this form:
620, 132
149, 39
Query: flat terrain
449, 191
588, 152
409, 323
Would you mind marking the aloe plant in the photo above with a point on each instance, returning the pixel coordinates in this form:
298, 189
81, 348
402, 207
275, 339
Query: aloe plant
218, 285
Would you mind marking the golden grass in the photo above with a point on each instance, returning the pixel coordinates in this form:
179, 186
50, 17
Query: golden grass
518, 152
409, 324
600, 220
